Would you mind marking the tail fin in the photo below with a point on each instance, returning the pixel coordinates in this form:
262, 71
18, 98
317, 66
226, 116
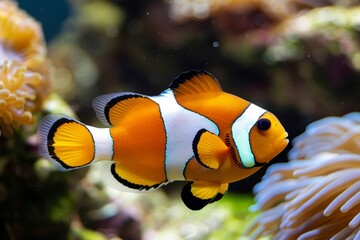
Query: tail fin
67, 143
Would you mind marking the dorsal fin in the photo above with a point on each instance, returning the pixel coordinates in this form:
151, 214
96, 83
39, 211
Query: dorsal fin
195, 82
112, 108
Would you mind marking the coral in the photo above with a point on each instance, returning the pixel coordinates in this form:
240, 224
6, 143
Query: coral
332, 26
315, 195
25, 69
17, 96
183, 10
21, 35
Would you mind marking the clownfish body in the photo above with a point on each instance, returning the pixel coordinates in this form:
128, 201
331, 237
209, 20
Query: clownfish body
192, 132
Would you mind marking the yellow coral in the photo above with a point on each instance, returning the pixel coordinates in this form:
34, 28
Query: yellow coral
17, 95
21, 34
317, 194
24, 67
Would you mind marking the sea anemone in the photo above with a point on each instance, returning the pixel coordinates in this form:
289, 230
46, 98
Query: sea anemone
24, 67
17, 96
20, 36
316, 195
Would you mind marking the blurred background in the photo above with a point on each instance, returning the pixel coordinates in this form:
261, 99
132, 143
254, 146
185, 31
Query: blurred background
300, 59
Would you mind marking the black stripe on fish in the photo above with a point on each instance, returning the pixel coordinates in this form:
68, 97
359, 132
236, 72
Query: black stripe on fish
233, 153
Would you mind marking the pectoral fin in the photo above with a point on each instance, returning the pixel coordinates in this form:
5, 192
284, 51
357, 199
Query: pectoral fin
209, 149
197, 195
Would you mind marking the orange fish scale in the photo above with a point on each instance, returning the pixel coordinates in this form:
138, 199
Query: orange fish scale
140, 151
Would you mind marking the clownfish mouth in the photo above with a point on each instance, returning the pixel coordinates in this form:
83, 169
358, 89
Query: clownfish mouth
283, 141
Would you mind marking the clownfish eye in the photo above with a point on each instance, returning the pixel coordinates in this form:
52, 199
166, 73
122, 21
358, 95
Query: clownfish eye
263, 124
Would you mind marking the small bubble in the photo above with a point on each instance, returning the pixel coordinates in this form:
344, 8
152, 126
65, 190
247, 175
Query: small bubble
216, 44
308, 55
147, 13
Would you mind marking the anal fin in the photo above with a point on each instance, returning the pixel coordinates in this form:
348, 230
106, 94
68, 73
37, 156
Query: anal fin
209, 149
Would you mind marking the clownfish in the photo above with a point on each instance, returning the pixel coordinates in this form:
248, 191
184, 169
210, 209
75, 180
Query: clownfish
192, 132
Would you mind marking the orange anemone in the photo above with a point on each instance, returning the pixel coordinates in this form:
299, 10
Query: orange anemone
24, 67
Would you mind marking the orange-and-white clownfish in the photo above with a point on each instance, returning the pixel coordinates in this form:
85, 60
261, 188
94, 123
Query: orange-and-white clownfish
193, 132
